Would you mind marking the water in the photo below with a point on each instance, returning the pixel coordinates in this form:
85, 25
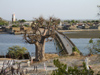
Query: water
82, 44
9, 40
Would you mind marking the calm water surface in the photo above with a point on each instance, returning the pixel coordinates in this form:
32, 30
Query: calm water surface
82, 44
9, 40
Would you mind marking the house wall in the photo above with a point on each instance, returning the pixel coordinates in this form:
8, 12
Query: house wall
99, 28
15, 29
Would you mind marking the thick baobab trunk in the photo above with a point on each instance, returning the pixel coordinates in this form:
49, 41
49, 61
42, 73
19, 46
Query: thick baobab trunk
40, 51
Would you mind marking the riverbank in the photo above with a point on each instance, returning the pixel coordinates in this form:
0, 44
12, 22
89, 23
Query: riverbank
4, 33
78, 30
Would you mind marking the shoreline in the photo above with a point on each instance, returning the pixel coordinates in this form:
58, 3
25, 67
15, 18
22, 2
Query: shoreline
78, 30
75, 33
4, 33
83, 34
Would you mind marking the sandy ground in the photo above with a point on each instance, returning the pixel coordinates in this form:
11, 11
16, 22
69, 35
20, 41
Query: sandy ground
69, 60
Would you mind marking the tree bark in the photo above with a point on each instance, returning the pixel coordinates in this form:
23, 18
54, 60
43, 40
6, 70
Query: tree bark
40, 50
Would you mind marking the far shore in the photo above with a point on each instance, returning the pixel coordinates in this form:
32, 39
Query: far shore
4, 33
89, 33
78, 30
82, 33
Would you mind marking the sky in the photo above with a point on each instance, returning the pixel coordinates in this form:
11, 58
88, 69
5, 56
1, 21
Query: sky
63, 9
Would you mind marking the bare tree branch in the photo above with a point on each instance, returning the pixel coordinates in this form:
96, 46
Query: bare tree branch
42, 29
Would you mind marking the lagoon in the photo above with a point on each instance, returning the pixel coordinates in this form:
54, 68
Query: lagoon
9, 40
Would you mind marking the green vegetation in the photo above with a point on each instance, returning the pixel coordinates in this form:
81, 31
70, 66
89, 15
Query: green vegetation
86, 21
64, 70
22, 20
75, 49
26, 25
3, 22
94, 47
91, 41
71, 21
16, 51
15, 22
15, 25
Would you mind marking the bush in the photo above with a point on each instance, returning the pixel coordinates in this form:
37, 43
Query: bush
75, 49
70, 70
15, 25
26, 25
16, 51
94, 47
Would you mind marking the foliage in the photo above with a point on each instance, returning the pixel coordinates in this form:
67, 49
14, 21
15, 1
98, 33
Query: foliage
15, 25
75, 49
64, 70
97, 47
16, 51
84, 21
97, 21
88, 21
22, 20
65, 21
94, 47
73, 21
3, 22
91, 47
77, 21
91, 41
15, 22
26, 25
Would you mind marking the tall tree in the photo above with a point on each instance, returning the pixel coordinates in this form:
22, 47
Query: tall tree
22, 20
42, 29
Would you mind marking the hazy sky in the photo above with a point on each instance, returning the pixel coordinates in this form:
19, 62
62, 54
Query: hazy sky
63, 9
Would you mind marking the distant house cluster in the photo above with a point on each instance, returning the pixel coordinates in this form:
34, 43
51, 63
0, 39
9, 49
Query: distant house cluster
16, 26
74, 25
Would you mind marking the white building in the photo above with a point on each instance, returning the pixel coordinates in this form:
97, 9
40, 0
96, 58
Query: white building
13, 18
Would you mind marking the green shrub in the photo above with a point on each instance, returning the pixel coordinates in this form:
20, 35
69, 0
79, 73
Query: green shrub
15, 25
16, 51
75, 49
94, 47
71, 70
26, 25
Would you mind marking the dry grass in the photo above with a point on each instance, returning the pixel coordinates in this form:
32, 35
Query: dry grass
51, 56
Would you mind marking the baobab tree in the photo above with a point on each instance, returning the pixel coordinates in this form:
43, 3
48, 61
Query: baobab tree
42, 30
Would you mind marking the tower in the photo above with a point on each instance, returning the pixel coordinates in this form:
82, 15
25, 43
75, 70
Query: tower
13, 17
